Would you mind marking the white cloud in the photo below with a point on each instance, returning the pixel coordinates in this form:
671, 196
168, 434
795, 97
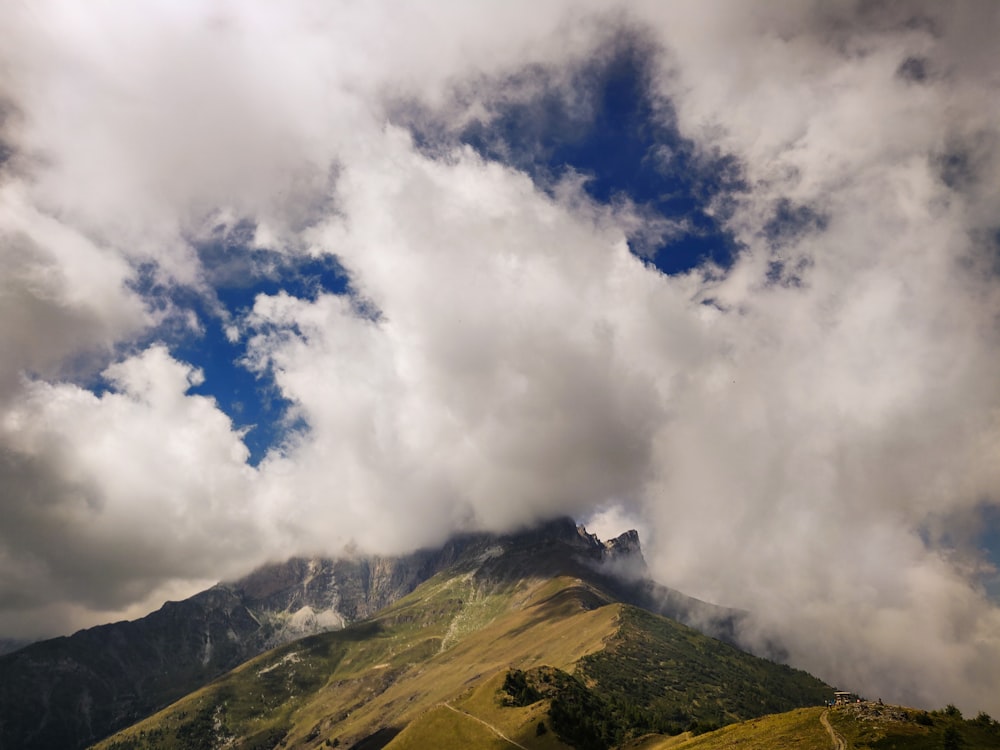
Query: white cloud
108, 497
490, 390
61, 296
801, 446
849, 410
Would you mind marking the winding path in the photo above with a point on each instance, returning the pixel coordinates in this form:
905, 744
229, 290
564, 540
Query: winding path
489, 726
838, 741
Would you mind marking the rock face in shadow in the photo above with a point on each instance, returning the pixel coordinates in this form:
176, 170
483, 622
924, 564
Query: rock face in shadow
9, 645
69, 692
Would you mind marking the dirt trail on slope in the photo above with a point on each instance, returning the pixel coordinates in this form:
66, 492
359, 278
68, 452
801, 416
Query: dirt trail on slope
838, 741
489, 726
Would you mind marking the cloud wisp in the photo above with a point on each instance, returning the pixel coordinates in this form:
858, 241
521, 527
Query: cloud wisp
810, 432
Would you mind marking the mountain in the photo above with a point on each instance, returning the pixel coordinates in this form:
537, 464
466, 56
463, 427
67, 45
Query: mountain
68, 692
522, 640
71, 691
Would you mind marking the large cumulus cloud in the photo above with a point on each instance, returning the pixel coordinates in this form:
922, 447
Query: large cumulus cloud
811, 434
490, 383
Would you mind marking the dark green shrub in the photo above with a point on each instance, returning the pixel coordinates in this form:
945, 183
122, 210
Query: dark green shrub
518, 691
952, 739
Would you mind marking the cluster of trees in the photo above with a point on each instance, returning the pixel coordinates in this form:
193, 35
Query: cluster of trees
964, 733
585, 717
517, 691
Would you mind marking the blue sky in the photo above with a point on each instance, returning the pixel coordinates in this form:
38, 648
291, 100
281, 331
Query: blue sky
250, 399
617, 145
290, 281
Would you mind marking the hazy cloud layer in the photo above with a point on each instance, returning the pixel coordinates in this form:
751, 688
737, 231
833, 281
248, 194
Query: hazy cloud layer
810, 434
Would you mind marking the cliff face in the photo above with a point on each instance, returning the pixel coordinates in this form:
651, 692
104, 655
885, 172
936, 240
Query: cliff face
69, 692
625, 546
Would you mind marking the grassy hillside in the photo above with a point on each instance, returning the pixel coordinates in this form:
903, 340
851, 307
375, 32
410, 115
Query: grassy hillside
799, 729
522, 642
427, 649
866, 726
497, 724
874, 726
430, 671
672, 679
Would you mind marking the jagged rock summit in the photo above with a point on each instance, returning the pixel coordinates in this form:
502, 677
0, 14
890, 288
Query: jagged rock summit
71, 691
305, 595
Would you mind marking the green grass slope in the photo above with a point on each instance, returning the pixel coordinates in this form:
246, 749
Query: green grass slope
441, 728
497, 725
799, 729
874, 726
427, 649
438, 665
865, 726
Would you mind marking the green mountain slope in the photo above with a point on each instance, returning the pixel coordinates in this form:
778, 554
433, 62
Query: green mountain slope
527, 648
67, 692
70, 692
865, 726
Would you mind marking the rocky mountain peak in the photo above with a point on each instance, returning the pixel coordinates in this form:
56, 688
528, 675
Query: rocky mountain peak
624, 547
626, 544
566, 529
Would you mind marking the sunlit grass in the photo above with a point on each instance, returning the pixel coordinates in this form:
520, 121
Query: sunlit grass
798, 730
